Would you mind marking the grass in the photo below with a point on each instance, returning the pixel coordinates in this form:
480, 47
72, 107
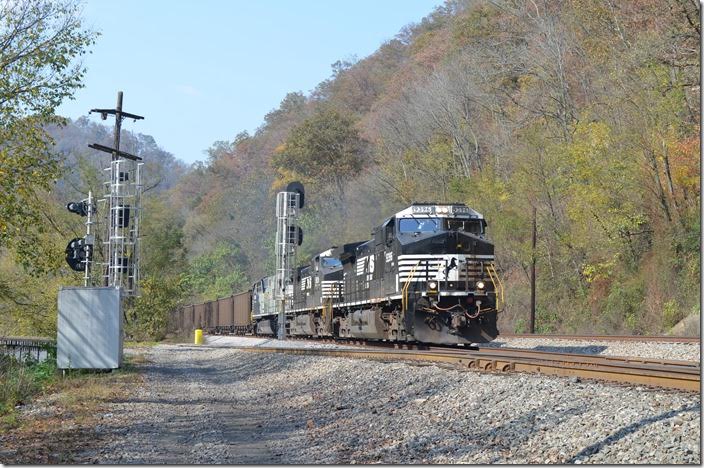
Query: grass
66, 410
22, 381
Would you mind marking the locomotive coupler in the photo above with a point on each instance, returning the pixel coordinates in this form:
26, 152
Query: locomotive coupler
458, 321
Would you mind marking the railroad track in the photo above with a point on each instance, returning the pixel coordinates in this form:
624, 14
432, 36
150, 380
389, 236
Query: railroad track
681, 375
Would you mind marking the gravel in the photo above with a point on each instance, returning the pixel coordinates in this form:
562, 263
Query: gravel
247, 342
219, 405
674, 351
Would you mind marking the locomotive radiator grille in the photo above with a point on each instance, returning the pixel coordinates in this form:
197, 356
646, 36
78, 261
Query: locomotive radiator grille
332, 289
432, 267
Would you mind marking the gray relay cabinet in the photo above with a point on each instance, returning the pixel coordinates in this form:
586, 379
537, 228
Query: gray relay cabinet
89, 328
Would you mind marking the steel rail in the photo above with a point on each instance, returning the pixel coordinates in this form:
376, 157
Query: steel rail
681, 375
636, 338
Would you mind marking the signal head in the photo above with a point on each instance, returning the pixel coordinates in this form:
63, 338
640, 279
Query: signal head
80, 208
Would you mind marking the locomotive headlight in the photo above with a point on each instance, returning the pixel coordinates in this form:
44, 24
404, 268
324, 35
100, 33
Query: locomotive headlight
481, 285
433, 285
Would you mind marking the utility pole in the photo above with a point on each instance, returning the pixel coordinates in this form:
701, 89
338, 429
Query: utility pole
532, 275
123, 203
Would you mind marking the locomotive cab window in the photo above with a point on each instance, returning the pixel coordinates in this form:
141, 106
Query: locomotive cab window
389, 231
412, 225
472, 226
331, 262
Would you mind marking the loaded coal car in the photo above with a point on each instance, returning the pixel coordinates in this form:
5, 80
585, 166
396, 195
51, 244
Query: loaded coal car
226, 315
242, 313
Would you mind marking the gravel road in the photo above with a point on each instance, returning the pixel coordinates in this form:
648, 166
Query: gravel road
219, 405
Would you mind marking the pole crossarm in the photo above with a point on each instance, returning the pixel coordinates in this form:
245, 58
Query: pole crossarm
107, 149
123, 114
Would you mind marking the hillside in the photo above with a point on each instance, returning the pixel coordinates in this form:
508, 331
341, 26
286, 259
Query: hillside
586, 112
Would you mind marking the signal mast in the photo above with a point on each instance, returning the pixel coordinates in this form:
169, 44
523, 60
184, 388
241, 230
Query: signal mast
122, 210
288, 236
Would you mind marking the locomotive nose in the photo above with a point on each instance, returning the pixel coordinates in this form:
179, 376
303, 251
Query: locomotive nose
448, 242
462, 242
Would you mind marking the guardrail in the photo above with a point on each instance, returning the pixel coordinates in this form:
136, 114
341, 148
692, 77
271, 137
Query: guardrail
27, 347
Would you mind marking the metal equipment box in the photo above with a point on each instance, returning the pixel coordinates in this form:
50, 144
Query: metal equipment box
89, 328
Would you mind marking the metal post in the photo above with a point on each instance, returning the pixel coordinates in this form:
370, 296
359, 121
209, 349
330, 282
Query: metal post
89, 242
532, 275
118, 125
110, 253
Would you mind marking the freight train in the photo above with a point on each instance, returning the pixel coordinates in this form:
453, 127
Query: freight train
427, 275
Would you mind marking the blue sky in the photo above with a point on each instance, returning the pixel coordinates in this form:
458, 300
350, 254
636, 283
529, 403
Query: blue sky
202, 71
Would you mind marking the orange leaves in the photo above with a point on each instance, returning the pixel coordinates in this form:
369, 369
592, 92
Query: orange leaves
685, 165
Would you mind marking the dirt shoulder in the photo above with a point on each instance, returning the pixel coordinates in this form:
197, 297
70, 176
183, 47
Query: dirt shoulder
189, 409
171, 405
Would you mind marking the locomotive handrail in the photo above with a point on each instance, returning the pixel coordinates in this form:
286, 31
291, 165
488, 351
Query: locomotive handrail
404, 291
496, 290
501, 283
500, 289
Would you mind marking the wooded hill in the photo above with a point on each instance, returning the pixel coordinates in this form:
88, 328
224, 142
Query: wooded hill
585, 111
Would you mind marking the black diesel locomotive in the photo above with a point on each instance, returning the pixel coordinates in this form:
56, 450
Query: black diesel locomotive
427, 275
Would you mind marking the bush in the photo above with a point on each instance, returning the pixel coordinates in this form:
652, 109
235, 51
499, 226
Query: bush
671, 313
149, 313
624, 306
23, 379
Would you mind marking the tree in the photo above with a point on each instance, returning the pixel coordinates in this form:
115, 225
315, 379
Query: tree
216, 274
40, 41
325, 148
150, 312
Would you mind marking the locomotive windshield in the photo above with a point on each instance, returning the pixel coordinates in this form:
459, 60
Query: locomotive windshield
419, 224
414, 225
472, 226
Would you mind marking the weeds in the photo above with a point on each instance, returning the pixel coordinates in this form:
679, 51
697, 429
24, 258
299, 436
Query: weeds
23, 379
69, 410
